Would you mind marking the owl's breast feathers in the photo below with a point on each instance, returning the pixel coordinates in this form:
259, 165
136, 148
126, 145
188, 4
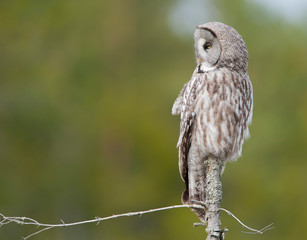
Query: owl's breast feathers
216, 109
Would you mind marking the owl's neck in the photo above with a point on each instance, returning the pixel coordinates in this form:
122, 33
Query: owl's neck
203, 67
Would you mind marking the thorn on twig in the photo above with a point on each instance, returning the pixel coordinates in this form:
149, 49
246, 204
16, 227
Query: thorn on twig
98, 218
223, 232
199, 224
63, 223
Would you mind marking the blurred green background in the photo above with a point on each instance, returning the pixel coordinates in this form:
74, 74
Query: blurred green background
86, 90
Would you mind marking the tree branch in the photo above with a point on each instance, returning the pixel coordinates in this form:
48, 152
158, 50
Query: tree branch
213, 199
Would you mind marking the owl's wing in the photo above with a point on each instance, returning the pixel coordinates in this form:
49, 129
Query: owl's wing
178, 104
188, 99
184, 144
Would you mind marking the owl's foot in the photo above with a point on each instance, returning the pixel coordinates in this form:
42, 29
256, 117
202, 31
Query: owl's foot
203, 204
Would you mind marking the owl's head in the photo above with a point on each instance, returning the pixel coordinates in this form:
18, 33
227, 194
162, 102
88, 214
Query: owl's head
218, 45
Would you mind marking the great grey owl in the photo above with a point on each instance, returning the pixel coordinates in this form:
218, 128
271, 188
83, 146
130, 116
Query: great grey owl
215, 107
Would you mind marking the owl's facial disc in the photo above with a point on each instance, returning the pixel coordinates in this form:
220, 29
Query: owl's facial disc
208, 49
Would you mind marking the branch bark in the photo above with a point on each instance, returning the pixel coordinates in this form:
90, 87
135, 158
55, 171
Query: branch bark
213, 199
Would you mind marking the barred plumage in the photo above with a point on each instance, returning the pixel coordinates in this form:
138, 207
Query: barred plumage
215, 106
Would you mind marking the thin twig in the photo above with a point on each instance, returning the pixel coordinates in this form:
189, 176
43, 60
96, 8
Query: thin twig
266, 228
29, 221
253, 231
39, 231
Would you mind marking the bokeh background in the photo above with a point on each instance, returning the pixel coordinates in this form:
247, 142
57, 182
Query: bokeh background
86, 90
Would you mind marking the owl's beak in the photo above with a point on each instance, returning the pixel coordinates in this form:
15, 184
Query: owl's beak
199, 59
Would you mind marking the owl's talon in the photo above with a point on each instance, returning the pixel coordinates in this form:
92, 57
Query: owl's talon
200, 203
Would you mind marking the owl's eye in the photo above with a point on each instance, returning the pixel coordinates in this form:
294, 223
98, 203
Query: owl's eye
207, 46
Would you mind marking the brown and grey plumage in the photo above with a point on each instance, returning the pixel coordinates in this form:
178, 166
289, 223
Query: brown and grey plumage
215, 107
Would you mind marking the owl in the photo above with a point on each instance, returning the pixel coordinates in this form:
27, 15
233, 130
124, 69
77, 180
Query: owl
215, 107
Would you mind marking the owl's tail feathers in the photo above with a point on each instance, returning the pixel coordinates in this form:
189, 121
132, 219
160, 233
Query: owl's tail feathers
185, 198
